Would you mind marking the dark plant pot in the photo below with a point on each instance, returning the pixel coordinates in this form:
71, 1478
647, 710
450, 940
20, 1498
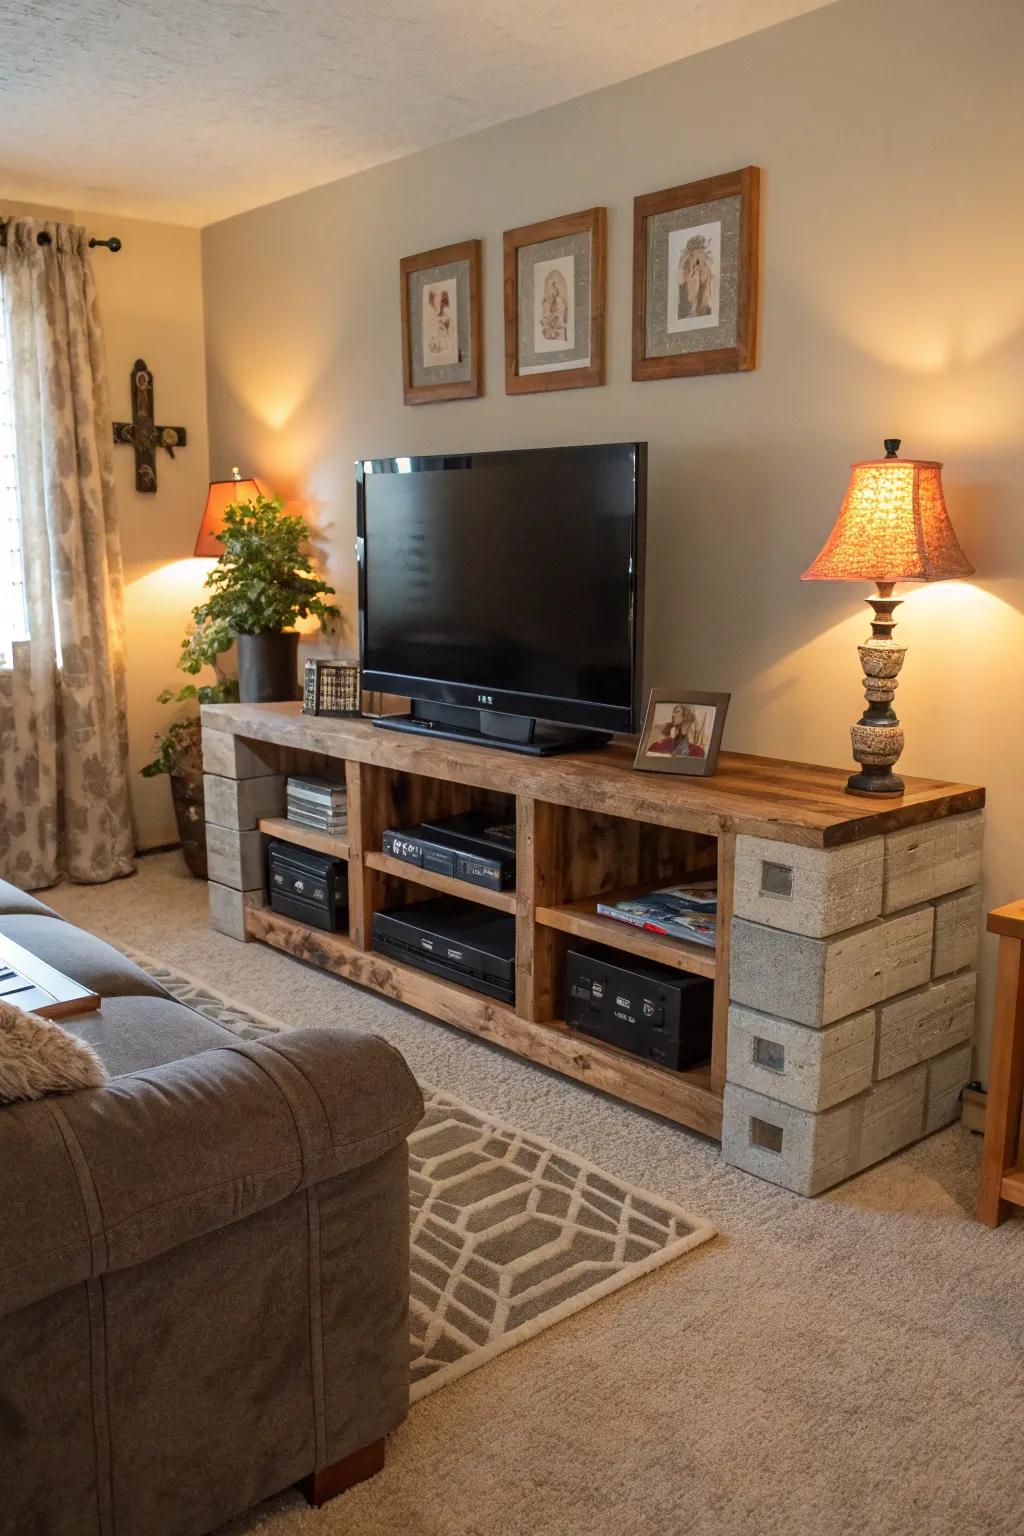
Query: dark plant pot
190, 814
268, 667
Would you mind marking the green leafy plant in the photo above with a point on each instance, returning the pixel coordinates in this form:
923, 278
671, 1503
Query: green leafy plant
179, 747
263, 581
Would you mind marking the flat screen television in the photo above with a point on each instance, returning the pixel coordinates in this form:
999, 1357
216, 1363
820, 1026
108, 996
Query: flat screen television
502, 592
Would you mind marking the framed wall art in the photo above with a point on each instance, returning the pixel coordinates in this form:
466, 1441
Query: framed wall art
682, 731
554, 303
442, 343
695, 274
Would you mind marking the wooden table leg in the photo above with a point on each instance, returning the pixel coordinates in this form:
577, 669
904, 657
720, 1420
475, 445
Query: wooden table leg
1006, 1084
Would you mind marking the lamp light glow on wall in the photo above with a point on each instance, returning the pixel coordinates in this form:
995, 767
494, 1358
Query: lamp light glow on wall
892, 526
220, 495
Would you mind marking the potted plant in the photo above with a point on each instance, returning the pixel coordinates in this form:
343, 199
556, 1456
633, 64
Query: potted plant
260, 585
179, 751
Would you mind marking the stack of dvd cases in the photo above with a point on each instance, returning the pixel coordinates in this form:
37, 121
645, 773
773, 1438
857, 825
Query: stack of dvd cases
317, 803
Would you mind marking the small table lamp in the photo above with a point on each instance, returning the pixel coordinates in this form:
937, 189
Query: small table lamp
220, 495
893, 526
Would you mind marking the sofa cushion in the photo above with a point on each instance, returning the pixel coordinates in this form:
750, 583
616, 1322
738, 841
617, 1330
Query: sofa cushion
38, 1057
80, 955
129, 1034
101, 1181
12, 900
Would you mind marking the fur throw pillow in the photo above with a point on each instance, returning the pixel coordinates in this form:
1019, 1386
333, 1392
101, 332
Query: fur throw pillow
37, 1057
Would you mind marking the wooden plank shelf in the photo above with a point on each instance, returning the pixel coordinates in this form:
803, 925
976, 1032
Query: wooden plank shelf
687, 1098
582, 919
501, 901
305, 837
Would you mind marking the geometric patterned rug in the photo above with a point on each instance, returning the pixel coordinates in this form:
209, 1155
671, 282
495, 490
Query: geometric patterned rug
509, 1234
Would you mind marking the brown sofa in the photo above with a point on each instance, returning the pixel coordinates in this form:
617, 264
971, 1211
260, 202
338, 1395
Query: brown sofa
203, 1265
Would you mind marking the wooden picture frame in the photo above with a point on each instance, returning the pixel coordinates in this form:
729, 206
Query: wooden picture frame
724, 313
578, 300
699, 729
439, 272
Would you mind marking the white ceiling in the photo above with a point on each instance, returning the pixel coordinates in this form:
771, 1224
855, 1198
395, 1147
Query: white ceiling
191, 110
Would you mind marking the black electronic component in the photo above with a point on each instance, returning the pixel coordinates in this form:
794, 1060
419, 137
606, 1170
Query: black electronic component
312, 887
650, 1010
453, 939
474, 847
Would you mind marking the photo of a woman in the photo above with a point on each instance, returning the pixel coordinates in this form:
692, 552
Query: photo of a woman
682, 734
554, 309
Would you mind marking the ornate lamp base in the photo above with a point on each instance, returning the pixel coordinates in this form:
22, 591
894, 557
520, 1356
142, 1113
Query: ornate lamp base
877, 736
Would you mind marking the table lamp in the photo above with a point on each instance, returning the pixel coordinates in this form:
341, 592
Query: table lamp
892, 526
220, 495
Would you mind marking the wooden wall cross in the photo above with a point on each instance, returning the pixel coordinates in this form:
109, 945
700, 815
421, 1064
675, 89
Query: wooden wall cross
143, 433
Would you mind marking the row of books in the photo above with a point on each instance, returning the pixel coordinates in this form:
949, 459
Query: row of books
677, 911
318, 803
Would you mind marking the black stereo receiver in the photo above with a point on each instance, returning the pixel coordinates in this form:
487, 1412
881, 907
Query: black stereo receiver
454, 939
477, 847
310, 886
651, 1010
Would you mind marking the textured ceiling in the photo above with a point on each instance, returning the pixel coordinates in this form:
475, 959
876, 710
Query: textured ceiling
190, 110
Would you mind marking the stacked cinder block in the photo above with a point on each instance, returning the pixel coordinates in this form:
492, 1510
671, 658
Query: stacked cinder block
852, 998
242, 780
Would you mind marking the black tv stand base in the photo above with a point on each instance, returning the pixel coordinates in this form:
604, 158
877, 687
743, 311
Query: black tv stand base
507, 733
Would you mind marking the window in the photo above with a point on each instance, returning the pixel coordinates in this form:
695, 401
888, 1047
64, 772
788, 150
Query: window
13, 619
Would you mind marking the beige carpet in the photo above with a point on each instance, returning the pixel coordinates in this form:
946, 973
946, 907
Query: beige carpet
848, 1366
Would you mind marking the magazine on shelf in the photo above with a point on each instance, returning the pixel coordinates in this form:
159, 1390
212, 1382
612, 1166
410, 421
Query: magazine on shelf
677, 911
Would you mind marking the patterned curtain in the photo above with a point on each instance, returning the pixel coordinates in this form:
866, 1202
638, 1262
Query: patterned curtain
64, 807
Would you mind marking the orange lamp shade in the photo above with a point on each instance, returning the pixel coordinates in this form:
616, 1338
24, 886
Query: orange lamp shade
892, 526
220, 495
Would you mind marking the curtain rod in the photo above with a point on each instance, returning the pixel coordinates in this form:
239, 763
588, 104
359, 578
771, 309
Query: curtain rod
113, 244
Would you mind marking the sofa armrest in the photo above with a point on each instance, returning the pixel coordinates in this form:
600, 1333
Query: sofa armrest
108, 1178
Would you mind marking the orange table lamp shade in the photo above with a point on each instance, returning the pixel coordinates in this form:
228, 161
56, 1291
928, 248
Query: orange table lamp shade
221, 494
892, 526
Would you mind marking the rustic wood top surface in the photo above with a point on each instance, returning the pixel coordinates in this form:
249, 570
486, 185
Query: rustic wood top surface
1008, 920
763, 796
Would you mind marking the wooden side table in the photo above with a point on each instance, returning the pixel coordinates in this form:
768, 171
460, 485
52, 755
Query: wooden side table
1002, 1177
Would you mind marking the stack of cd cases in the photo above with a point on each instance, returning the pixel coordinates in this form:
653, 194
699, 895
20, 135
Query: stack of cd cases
317, 803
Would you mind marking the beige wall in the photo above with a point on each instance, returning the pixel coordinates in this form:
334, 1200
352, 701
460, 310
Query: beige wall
890, 136
152, 306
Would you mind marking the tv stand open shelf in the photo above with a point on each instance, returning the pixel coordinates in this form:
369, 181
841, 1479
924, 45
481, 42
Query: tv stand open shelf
587, 826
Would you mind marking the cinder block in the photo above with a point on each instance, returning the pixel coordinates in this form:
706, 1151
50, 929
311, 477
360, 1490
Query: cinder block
809, 1068
957, 928
931, 860
239, 803
907, 950
814, 891
817, 981
233, 758
234, 858
227, 909
947, 1077
925, 1023
808, 1153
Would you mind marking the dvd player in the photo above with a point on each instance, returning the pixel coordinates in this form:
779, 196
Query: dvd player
453, 939
476, 846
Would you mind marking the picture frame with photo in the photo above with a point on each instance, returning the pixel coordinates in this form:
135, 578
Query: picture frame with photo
682, 732
555, 303
695, 277
442, 337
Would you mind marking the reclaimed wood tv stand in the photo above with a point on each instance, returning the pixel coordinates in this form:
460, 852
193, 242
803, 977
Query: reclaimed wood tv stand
589, 826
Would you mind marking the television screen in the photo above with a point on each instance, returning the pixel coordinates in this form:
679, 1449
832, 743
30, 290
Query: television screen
508, 581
